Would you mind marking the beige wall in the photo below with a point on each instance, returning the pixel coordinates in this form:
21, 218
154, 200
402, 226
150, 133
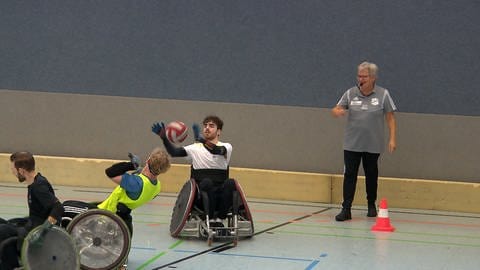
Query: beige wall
441, 147
286, 153
279, 185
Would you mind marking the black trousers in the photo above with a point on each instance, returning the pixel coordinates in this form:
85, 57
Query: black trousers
220, 196
126, 214
370, 167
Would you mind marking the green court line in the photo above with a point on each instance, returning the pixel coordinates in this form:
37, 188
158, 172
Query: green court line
154, 258
376, 239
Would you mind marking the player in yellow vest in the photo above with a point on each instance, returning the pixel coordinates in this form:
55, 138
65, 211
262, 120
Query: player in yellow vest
135, 189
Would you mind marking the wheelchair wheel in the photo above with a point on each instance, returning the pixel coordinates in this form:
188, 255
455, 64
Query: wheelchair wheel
182, 207
57, 251
102, 239
244, 210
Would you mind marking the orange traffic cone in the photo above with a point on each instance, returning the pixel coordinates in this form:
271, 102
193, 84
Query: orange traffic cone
383, 221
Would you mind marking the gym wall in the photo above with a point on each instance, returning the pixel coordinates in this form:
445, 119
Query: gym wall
88, 78
437, 147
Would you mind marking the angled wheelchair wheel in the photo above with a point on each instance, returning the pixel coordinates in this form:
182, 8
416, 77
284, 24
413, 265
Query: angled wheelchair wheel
56, 251
8, 247
102, 239
244, 210
182, 208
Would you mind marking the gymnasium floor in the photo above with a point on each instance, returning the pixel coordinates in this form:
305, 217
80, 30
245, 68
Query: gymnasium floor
291, 235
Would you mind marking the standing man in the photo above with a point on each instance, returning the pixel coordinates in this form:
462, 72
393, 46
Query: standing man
210, 160
44, 207
368, 105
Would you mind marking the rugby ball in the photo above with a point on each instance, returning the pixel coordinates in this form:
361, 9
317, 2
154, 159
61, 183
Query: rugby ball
176, 132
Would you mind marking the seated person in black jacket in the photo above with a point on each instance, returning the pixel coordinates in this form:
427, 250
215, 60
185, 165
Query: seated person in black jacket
44, 207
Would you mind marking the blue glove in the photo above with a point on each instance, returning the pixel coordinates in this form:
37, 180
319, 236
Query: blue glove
37, 238
136, 162
159, 129
196, 133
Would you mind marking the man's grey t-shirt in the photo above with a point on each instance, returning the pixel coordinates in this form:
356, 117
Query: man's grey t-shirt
366, 118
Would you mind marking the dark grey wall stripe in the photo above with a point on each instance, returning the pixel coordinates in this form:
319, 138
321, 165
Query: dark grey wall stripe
277, 52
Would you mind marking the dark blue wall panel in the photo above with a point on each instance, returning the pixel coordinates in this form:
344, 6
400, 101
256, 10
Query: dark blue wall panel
297, 53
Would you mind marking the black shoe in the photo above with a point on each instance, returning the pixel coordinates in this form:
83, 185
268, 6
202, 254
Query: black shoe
346, 214
372, 210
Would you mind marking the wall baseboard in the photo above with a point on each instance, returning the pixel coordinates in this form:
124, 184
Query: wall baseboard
271, 184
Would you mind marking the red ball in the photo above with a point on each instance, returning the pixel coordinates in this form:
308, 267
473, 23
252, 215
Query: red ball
176, 131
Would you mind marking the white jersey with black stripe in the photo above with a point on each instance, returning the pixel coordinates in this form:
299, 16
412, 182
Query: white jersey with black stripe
201, 158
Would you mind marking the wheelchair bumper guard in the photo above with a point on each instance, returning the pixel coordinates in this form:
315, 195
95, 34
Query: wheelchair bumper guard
245, 229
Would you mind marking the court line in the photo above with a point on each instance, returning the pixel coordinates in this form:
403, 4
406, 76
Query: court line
248, 255
154, 258
186, 258
397, 231
311, 266
379, 239
292, 221
228, 245
391, 211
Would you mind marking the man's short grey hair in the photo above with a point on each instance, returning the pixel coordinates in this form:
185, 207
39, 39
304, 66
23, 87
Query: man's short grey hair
371, 67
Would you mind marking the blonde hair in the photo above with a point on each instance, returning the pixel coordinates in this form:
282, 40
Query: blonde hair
158, 161
371, 67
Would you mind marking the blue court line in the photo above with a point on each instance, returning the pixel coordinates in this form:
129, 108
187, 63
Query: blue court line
247, 255
309, 267
312, 265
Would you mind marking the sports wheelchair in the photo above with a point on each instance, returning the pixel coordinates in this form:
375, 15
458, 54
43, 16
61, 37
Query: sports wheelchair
89, 238
102, 238
57, 250
190, 220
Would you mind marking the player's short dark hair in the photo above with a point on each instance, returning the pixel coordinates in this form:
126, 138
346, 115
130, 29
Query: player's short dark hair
23, 160
215, 119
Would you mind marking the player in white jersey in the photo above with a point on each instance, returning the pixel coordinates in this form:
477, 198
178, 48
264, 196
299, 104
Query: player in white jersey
210, 160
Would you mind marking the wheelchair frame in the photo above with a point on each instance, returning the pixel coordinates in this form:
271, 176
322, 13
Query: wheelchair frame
189, 220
